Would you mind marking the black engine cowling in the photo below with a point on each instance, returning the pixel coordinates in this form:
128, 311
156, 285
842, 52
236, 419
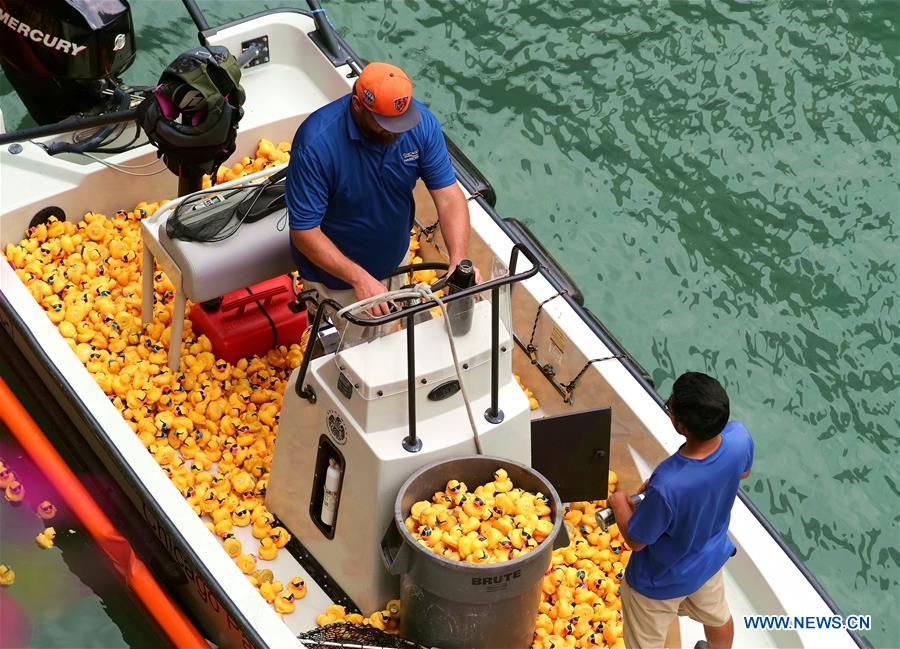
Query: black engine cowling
60, 55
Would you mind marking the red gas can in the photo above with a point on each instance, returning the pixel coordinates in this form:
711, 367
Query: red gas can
251, 321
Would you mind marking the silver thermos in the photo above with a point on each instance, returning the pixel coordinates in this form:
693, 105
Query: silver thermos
606, 517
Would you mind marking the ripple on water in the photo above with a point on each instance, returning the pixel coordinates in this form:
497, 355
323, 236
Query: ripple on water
722, 175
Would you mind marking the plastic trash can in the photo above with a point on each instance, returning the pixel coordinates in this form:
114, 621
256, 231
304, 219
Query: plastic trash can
453, 604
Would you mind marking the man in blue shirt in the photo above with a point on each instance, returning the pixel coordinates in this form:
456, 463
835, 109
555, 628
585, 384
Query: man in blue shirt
349, 190
679, 533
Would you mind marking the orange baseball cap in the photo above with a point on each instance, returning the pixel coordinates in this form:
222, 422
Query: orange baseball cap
387, 93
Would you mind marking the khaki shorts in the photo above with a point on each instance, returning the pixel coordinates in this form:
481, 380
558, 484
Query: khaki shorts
647, 620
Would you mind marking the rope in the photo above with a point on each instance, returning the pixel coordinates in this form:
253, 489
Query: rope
537, 316
117, 165
424, 292
569, 387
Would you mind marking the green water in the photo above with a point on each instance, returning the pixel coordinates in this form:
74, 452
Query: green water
721, 179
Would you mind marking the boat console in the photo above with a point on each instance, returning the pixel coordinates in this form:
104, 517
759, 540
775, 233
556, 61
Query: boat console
356, 423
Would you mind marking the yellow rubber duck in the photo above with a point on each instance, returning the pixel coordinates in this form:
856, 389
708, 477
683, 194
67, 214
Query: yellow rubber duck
246, 563
262, 525
297, 587
333, 613
232, 546
284, 603
243, 482
280, 536
7, 575
6, 476
393, 610
270, 589
263, 576
473, 507
223, 528
379, 620
267, 549
240, 516
502, 481
46, 510
210, 502
45, 538
15, 492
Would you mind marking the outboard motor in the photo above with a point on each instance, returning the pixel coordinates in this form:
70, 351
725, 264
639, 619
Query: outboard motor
64, 57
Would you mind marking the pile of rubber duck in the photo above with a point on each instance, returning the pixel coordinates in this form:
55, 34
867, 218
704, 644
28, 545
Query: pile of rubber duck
493, 523
580, 593
211, 425
581, 602
386, 619
14, 493
532, 401
267, 155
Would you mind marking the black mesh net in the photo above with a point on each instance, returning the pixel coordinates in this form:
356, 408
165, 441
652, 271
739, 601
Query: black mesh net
214, 216
356, 636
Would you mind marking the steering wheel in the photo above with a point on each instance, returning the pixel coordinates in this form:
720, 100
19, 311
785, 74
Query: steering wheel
405, 302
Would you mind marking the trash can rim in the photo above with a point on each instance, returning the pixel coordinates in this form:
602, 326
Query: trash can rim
462, 565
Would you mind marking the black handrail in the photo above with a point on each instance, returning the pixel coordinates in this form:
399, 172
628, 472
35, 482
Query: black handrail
409, 312
68, 126
197, 17
467, 292
329, 36
411, 444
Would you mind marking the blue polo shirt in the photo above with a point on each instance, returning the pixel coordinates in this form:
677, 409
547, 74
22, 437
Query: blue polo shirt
358, 192
684, 518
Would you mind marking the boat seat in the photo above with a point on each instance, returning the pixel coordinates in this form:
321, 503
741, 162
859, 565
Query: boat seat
204, 271
254, 253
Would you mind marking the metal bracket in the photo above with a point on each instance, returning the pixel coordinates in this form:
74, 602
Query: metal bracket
306, 392
261, 44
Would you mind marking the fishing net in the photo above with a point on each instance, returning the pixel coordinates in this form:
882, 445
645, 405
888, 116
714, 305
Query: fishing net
353, 636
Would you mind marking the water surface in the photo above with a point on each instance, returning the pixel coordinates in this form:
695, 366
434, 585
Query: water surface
721, 180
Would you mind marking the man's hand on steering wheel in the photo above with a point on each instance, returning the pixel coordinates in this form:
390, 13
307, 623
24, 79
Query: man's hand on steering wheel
367, 286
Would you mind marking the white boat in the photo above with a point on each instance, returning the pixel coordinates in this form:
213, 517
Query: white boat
548, 325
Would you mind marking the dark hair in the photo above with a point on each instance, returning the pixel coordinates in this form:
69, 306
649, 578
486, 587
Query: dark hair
700, 403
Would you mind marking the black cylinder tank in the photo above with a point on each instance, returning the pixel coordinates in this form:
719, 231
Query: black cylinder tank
60, 55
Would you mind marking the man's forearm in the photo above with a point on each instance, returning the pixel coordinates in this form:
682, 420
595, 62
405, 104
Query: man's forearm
321, 251
453, 215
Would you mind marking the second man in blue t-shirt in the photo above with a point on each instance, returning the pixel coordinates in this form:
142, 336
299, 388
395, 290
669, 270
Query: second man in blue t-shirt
679, 533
